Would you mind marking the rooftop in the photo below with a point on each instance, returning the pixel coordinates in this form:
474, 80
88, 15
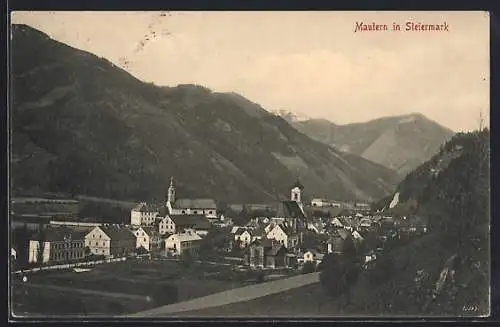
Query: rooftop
151, 231
290, 209
195, 221
116, 232
185, 237
195, 204
60, 233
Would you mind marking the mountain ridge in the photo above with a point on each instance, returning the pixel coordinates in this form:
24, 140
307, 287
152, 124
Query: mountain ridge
83, 125
398, 142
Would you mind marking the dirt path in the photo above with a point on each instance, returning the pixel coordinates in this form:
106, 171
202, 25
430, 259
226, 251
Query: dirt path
89, 292
232, 296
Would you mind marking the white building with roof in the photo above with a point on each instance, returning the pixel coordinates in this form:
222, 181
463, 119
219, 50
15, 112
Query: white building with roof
148, 238
56, 244
110, 241
319, 202
178, 223
183, 243
143, 215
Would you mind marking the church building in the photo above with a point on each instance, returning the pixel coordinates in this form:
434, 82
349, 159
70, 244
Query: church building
206, 207
291, 212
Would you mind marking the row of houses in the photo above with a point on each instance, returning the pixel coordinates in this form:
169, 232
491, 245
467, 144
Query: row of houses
271, 253
267, 243
60, 243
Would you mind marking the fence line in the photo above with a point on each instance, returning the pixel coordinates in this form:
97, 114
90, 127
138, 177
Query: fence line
233, 258
70, 265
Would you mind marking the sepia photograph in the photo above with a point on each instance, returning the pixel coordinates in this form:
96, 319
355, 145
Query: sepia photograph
249, 164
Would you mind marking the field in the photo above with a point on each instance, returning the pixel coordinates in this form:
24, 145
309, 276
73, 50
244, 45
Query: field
306, 301
119, 288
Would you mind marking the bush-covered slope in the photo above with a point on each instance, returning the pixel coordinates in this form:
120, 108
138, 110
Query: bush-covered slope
447, 271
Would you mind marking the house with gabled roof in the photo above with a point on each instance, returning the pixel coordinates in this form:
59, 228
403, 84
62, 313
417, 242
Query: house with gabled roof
266, 253
186, 243
179, 223
111, 241
148, 238
285, 235
340, 241
269, 226
276, 256
317, 227
243, 237
246, 235
335, 222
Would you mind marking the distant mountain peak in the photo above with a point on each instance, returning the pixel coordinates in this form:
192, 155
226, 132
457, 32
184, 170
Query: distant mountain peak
397, 142
290, 116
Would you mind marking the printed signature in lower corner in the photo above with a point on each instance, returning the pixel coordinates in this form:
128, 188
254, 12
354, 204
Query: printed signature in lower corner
470, 308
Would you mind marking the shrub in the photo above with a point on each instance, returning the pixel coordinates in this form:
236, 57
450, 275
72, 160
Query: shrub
261, 277
339, 274
309, 267
141, 250
382, 271
186, 259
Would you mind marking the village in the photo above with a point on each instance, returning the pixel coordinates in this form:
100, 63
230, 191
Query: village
293, 235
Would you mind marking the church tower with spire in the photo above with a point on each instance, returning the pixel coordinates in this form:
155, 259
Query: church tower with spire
170, 195
296, 194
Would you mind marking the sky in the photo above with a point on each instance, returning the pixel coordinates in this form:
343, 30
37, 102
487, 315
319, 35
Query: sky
312, 63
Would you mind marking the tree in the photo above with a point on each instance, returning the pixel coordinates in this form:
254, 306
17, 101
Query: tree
20, 241
236, 249
216, 240
310, 240
339, 273
261, 277
222, 208
141, 250
383, 270
187, 258
41, 245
